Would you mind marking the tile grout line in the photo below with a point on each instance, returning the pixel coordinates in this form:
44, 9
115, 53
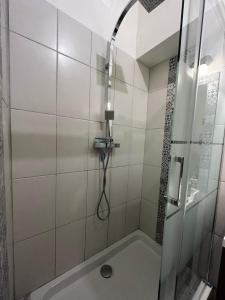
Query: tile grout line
57, 67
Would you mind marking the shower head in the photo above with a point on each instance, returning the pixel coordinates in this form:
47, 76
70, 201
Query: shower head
149, 5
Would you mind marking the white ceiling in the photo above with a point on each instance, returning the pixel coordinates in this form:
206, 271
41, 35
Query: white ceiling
98, 15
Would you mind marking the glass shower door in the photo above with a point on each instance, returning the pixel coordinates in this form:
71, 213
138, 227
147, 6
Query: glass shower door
195, 155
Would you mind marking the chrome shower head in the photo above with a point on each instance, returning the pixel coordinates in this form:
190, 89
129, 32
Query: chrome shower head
149, 5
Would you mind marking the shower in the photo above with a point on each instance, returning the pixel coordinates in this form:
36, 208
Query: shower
106, 144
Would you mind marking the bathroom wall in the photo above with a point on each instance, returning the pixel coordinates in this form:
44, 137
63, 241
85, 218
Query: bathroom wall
219, 223
57, 105
153, 147
6, 243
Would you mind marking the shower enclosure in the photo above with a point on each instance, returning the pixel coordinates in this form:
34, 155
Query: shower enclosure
195, 144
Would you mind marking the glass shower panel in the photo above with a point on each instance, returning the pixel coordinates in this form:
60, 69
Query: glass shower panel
195, 152
183, 106
204, 159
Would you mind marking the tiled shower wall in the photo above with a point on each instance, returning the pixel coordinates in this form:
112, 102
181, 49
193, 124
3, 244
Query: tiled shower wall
153, 147
6, 245
57, 105
219, 225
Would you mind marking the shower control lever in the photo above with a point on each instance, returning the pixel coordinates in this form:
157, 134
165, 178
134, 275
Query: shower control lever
105, 143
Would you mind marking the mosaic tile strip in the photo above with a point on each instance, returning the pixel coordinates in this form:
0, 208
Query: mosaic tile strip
171, 90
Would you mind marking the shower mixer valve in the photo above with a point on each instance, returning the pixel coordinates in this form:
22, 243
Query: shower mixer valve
105, 143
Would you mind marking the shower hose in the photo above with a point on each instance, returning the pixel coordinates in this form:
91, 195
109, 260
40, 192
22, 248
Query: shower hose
105, 161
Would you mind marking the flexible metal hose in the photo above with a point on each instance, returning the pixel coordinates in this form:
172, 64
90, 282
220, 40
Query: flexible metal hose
103, 195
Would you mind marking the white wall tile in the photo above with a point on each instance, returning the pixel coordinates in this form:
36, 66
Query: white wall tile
97, 96
135, 182
153, 147
95, 178
132, 216
222, 168
122, 135
73, 88
5, 53
117, 224
71, 197
119, 186
220, 211
74, 39
36, 20
69, 246
72, 145
96, 236
33, 76
151, 183
33, 206
96, 129
33, 144
34, 262
139, 110
148, 218
141, 76
157, 109
218, 134
98, 53
159, 76
123, 103
124, 67
137, 146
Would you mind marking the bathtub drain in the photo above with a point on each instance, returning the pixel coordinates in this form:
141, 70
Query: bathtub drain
106, 271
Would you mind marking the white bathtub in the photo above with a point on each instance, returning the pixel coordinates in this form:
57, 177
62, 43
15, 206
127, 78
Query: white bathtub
136, 267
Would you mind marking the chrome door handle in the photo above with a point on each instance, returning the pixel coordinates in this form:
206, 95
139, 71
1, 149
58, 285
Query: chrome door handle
176, 201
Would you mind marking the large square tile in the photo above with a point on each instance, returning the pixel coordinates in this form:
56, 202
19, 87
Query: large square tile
73, 88
117, 221
72, 145
119, 186
5, 54
36, 20
159, 75
141, 76
148, 218
137, 146
124, 67
74, 39
96, 129
96, 236
154, 147
98, 52
220, 211
95, 185
33, 206
122, 135
70, 241
34, 263
139, 110
151, 183
135, 182
157, 109
71, 197
123, 103
97, 96
33, 144
33, 76
215, 259
132, 216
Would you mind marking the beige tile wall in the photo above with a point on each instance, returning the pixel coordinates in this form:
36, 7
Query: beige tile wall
57, 105
153, 147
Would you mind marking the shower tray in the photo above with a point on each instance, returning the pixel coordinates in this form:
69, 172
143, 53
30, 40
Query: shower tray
135, 262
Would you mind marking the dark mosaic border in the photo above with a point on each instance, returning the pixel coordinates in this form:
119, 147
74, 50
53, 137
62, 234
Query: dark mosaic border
171, 90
